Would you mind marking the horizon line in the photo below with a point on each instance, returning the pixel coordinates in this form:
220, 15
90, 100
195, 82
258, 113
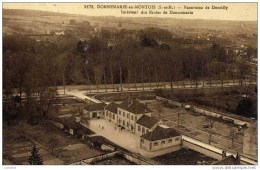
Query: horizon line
127, 16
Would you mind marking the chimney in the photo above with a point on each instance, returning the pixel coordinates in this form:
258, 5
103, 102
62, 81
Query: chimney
224, 155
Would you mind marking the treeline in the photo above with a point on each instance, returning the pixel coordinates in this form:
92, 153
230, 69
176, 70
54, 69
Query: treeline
110, 58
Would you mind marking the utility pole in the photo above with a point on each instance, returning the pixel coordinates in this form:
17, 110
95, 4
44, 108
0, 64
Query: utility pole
232, 135
210, 138
63, 77
178, 119
143, 74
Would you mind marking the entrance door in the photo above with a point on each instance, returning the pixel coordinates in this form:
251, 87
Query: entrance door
94, 114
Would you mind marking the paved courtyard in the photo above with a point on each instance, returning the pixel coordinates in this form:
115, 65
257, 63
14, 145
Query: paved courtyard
124, 138
113, 133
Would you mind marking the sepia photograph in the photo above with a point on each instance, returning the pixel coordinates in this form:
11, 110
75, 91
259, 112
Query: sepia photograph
130, 83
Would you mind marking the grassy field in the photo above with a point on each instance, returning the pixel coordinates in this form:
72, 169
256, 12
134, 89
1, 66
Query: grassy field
39, 21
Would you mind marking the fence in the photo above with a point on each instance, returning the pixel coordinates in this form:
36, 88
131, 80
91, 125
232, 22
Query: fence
208, 113
132, 158
211, 151
100, 157
139, 160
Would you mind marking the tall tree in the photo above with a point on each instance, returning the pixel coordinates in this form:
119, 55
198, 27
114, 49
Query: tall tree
35, 158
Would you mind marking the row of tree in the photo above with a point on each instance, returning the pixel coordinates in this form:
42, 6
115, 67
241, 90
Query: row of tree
31, 68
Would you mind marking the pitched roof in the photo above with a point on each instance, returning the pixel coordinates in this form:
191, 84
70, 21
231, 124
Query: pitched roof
95, 107
135, 107
160, 132
147, 121
230, 160
112, 107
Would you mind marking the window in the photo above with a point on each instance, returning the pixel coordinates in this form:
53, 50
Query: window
127, 124
163, 142
143, 130
135, 118
114, 117
123, 122
132, 117
142, 141
139, 128
124, 114
177, 139
147, 130
119, 112
155, 143
169, 141
127, 115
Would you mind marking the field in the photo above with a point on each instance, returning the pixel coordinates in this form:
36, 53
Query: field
192, 125
38, 22
56, 146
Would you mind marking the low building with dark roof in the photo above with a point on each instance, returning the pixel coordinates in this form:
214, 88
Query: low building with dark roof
95, 110
162, 137
111, 112
146, 124
129, 112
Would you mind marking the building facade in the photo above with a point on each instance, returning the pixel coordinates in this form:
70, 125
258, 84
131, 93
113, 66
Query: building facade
162, 137
146, 124
95, 110
111, 112
129, 112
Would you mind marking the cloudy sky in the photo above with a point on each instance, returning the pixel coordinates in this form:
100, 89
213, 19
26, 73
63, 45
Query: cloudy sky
234, 11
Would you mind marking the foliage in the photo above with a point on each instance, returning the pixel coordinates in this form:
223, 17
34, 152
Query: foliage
35, 158
245, 107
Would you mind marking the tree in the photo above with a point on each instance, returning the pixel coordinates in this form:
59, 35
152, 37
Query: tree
35, 158
245, 107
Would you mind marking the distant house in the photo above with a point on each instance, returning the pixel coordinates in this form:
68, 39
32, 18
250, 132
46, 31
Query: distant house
111, 112
146, 124
95, 110
60, 32
161, 137
129, 112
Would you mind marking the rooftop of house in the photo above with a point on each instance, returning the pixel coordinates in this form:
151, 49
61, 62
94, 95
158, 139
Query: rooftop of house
135, 107
161, 132
95, 107
230, 160
112, 107
147, 121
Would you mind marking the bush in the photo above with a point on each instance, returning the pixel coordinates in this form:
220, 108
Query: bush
245, 108
33, 120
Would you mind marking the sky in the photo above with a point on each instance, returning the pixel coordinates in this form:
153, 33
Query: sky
229, 11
